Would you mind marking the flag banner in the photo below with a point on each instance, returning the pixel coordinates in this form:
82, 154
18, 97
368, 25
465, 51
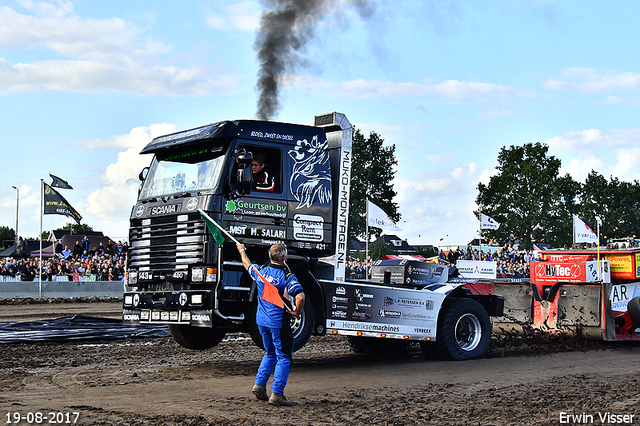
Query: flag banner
269, 292
54, 203
214, 228
582, 233
59, 183
377, 218
487, 222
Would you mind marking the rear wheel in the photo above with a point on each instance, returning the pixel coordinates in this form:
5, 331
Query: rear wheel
196, 337
301, 326
633, 307
464, 330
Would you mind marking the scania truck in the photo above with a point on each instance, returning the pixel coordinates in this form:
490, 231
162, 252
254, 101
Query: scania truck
177, 274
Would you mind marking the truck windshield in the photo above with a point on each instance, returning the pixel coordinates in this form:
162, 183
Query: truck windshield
171, 177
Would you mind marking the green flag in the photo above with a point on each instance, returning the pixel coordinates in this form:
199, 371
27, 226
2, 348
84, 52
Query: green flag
213, 228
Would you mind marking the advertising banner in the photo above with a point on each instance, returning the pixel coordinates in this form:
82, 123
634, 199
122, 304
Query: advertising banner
477, 269
549, 273
378, 309
621, 294
622, 266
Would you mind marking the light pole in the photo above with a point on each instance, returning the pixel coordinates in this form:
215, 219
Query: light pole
17, 209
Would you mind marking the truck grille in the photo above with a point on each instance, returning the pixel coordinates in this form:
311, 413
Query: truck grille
166, 243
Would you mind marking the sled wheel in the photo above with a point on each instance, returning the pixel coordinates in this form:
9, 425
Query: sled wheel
464, 330
196, 337
633, 307
302, 326
355, 344
429, 349
383, 347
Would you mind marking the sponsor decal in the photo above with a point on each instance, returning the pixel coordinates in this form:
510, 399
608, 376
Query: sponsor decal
257, 208
338, 314
341, 291
336, 299
389, 314
422, 330
165, 209
429, 305
361, 296
308, 228
144, 315
364, 306
361, 315
185, 316
336, 306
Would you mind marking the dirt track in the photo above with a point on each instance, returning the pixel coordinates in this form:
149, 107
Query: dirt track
156, 382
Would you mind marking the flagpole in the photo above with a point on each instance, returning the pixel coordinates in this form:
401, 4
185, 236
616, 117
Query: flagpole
41, 214
366, 252
219, 227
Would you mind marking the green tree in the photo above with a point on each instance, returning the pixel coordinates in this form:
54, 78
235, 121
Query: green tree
372, 170
7, 236
616, 202
523, 196
75, 227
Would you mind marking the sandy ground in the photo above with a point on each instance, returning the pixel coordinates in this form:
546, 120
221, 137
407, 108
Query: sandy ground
157, 382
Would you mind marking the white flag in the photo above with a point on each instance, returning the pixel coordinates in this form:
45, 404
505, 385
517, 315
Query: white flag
582, 233
378, 218
487, 222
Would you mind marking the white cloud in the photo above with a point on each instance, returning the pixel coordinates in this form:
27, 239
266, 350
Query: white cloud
587, 80
121, 182
450, 90
243, 16
628, 166
89, 55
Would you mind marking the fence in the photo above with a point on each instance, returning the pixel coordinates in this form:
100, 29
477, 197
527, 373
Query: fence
14, 288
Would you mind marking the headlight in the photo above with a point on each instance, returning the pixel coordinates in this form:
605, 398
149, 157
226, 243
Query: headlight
128, 300
197, 275
196, 299
132, 277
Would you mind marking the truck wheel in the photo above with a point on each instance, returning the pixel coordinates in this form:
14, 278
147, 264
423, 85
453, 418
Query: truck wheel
633, 307
464, 330
196, 337
302, 327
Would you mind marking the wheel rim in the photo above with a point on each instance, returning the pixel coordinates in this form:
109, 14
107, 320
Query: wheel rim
296, 324
468, 332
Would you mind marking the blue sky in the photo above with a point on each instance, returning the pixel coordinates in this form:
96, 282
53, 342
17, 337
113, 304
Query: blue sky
85, 84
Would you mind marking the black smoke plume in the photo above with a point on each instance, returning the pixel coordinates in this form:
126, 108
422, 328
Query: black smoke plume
283, 34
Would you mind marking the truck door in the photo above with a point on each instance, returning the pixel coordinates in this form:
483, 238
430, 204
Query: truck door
260, 217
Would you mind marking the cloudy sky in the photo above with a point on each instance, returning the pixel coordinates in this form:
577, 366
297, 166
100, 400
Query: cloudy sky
85, 84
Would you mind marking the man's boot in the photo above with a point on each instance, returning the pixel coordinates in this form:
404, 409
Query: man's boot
260, 392
280, 400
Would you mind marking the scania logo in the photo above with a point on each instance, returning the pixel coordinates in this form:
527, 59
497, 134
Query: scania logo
139, 211
171, 208
192, 204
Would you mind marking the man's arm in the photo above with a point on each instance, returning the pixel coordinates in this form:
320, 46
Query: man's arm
300, 298
243, 255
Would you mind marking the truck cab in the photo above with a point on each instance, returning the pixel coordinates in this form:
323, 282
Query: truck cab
178, 275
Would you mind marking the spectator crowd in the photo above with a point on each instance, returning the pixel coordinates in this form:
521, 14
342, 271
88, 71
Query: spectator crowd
80, 263
510, 263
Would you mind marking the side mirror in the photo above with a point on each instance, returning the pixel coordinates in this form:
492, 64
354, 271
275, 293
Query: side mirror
143, 174
242, 180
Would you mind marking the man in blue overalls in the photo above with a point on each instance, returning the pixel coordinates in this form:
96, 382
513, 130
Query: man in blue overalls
276, 285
